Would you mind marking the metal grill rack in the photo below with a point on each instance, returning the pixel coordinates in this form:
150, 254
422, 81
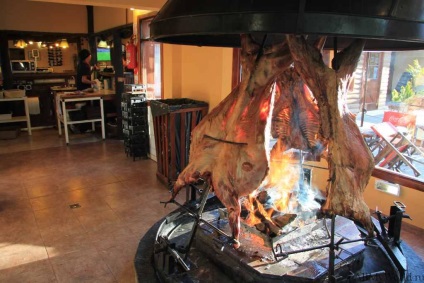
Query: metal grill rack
135, 127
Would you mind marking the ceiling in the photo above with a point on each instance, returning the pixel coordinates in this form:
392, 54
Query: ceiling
153, 5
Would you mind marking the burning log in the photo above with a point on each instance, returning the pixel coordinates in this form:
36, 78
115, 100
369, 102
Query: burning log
268, 227
228, 145
283, 220
349, 173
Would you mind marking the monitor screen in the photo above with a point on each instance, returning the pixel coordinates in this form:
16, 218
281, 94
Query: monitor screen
103, 54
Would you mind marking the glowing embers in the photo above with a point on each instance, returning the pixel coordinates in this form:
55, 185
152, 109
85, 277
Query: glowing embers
285, 199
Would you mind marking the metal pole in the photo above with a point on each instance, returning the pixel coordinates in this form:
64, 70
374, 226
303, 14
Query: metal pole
332, 256
204, 198
367, 58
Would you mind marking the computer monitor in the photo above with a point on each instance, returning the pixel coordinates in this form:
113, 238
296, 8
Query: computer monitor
103, 54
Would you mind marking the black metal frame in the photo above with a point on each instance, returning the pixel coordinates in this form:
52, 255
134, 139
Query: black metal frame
194, 208
332, 245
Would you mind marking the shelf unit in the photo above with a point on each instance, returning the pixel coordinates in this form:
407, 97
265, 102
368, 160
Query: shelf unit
25, 118
135, 126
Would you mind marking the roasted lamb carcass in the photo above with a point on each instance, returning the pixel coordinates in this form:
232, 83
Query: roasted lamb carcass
295, 119
349, 173
228, 145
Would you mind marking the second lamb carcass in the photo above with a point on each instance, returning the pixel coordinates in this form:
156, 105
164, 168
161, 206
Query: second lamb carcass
228, 145
295, 118
349, 159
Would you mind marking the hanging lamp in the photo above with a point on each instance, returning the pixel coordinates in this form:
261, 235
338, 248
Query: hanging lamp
102, 43
21, 43
64, 44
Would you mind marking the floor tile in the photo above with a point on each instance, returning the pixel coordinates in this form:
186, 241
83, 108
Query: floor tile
40, 190
16, 216
62, 244
111, 236
16, 254
15, 205
12, 192
20, 233
98, 220
39, 271
120, 260
82, 266
49, 201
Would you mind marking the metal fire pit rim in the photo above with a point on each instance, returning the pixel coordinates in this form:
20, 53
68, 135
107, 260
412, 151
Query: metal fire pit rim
231, 255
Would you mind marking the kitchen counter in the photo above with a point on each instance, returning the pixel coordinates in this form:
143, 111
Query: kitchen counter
104, 93
42, 75
63, 88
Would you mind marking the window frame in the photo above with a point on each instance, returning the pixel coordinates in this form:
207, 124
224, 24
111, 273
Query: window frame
378, 172
144, 33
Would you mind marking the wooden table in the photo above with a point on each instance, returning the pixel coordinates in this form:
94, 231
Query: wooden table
65, 97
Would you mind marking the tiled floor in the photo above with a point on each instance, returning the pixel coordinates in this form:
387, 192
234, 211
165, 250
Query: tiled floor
43, 240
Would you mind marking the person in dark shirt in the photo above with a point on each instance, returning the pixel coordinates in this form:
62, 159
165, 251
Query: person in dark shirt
84, 70
83, 82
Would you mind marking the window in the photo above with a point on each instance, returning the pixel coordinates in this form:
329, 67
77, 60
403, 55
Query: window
373, 65
390, 87
151, 60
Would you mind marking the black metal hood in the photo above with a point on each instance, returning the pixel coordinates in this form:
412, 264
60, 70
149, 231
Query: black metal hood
386, 24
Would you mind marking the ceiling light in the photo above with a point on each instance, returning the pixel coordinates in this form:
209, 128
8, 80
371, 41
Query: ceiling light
21, 43
64, 43
102, 43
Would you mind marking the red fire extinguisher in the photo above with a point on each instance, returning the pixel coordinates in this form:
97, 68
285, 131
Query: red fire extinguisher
131, 54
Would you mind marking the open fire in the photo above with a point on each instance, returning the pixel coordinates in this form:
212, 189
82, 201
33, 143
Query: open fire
284, 198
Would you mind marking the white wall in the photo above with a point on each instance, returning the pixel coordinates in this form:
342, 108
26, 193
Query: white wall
107, 18
200, 73
64, 18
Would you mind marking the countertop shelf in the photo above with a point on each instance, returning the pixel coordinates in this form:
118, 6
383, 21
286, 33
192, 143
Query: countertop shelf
25, 118
42, 75
14, 119
84, 121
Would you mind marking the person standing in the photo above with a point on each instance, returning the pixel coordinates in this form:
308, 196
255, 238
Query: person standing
83, 82
84, 70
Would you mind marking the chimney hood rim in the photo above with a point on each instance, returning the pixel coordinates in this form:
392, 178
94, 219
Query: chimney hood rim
224, 28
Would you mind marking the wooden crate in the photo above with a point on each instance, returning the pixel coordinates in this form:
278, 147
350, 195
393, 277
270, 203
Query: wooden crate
174, 120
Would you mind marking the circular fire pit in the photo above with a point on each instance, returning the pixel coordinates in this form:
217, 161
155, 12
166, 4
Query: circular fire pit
169, 253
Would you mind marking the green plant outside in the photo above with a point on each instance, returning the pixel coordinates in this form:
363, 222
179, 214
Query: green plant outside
410, 90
